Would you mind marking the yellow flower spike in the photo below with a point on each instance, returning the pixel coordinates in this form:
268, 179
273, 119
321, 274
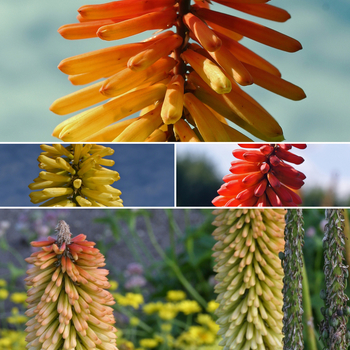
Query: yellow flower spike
173, 101
154, 20
128, 79
208, 71
154, 52
87, 123
208, 125
183, 131
85, 182
249, 291
143, 127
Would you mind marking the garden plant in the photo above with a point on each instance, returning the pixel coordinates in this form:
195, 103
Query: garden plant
274, 287
185, 80
76, 176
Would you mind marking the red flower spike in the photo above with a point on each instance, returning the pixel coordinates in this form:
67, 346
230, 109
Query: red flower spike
261, 177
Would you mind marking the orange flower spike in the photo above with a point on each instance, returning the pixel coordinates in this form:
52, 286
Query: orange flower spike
204, 35
208, 71
184, 132
250, 29
128, 79
208, 125
117, 56
275, 84
173, 102
123, 8
154, 52
241, 1
232, 66
229, 33
154, 20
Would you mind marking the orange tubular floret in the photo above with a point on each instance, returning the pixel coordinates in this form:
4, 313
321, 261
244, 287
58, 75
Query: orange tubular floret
117, 9
241, 1
272, 13
246, 55
250, 29
95, 60
275, 84
154, 20
83, 30
154, 52
204, 35
229, 33
232, 66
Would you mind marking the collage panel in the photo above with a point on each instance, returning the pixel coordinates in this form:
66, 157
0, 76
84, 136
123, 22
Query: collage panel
174, 279
257, 174
237, 239
87, 175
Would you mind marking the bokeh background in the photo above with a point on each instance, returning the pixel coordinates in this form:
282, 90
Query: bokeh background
146, 173
201, 167
31, 49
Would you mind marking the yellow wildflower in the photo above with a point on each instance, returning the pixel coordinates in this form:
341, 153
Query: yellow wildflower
130, 299
189, 307
176, 295
166, 327
18, 298
149, 343
114, 285
3, 294
152, 308
3, 283
212, 306
168, 311
134, 321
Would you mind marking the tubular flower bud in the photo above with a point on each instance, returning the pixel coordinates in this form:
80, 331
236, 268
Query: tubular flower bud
292, 263
75, 176
261, 177
68, 305
190, 38
333, 328
250, 277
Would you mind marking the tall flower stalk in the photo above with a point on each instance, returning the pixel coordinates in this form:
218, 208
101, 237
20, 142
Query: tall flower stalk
262, 177
76, 175
185, 79
292, 261
68, 305
250, 277
334, 326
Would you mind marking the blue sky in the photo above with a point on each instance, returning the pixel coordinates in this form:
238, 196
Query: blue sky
322, 162
146, 173
32, 49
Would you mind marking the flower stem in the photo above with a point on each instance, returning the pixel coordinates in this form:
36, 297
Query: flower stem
309, 320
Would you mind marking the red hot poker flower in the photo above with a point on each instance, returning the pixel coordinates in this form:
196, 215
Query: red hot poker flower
261, 177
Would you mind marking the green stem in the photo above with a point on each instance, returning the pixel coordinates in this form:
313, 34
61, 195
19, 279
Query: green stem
128, 313
172, 264
310, 328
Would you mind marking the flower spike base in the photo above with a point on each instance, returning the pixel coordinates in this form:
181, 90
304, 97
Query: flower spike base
67, 303
185, 80
75, 176
262, 178
249, 276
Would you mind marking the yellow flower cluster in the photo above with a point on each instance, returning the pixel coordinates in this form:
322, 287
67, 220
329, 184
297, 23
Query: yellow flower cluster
18, 298
176, 295
12, 340
16, 318
3, 294
130, 299
75, 176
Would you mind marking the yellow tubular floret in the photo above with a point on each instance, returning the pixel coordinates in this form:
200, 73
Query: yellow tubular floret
173, 101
